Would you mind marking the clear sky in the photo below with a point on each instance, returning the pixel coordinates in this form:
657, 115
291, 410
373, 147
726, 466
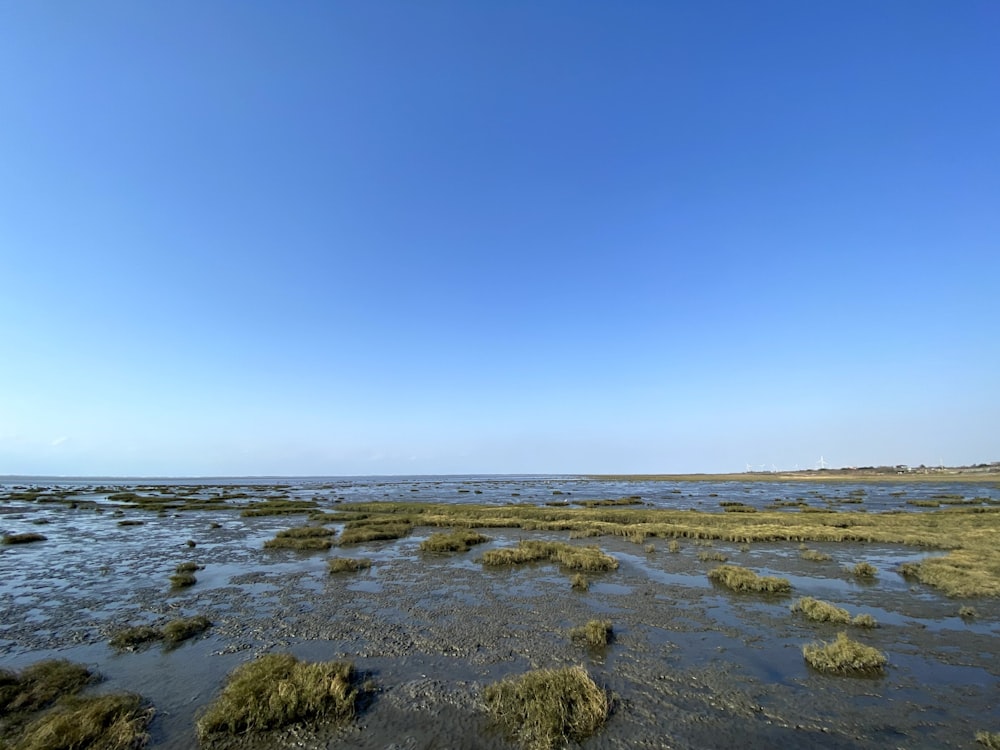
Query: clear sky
461, 237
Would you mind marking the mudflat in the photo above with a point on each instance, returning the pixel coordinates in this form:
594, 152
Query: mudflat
690, 662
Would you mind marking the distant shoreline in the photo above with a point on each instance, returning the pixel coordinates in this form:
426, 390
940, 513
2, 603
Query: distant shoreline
822, 475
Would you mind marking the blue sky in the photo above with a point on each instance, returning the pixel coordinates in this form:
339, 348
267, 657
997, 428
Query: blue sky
453, 237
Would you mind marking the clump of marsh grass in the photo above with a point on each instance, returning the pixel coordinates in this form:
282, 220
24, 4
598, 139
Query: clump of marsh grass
711, 556
25, 538
546, 708
968, 613
741, 579
183, 628
844, 656
814, 555
820, 611
453, 541
650, 549
188, 567
579, 582
183, 580
370, 533
108, 722
278, 690
347, 565
567, 555
278, 507
596, 633
990, 739
132, 638
864, 620
41, 684
302, 538
865, 571
674, 546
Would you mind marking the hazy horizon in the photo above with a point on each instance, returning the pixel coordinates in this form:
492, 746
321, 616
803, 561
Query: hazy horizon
362, 239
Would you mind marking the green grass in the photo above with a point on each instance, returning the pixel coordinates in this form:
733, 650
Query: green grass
183, 628
278, 690
546, 708
182, 580
844, 656
302, 538
569, 556
371, 533
278, 507
741, 579
132, 638
347, 565
41, 684
105, 722
970, 566
596, 633
453, 541
26, 538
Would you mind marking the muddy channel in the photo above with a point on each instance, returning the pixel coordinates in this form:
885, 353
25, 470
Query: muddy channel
691, 665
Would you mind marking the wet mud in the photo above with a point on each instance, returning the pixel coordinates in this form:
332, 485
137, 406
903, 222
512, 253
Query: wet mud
691, 665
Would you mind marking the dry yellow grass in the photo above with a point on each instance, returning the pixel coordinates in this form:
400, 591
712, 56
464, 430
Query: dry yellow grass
844, 656
277, 690
105, 722
971, 566
741, 579
596, 633
567, 555
545, 708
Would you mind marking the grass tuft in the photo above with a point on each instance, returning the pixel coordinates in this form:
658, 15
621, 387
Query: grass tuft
40, 684
277, 690
567, 555
820, 611
813, 555
579, 582
26, 538
184, 628
182, 580
864, 620
865, 571
371, 533
347, 565
596, 633
990, 739
107, 722
844, 656
130, 639
711, 556
454, 541
741, 579
302, 538
546, 708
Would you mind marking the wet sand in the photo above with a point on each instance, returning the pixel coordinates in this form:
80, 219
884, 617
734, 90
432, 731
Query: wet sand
691, 666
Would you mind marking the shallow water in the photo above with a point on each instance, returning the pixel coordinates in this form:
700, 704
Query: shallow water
691, 666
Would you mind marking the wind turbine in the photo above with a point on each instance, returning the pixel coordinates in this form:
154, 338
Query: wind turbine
822, 463
749, 468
